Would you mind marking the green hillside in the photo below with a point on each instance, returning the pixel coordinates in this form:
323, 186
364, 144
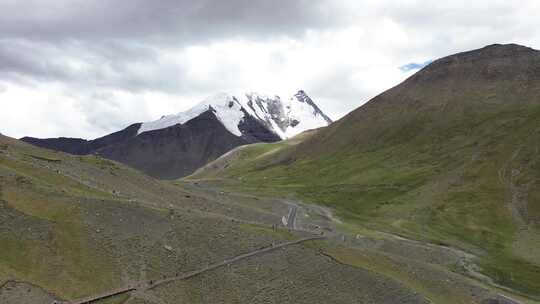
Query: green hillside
77, 226
450, 156
73, 227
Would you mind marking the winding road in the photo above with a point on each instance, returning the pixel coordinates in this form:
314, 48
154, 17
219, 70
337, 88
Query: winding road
291, 218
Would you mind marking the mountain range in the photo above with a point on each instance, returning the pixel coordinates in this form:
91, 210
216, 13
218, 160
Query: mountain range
428, 193
176, 145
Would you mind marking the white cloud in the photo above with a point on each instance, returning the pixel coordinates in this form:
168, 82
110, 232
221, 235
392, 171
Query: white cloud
91, 87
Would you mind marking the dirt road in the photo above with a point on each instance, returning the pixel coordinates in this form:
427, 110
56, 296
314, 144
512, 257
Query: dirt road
141, 286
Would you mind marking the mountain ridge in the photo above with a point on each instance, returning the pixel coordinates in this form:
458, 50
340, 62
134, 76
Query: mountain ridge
231, 121
284, 117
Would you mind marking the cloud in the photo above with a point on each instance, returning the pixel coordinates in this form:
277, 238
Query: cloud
88, 67
169, 20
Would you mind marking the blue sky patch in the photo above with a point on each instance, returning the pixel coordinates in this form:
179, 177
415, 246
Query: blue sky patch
414, 66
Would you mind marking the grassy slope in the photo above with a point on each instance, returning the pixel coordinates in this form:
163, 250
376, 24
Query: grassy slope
450, 156
98, 225
77, 226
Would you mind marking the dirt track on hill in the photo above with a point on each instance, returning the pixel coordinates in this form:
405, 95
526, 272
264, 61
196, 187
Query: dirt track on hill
147, 285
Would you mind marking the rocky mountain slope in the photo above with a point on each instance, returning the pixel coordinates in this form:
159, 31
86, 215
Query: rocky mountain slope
176, 145
450, 156
76, 226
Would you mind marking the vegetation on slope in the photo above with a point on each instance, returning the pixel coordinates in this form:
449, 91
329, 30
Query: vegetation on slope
99, 225
450, 156
72, 227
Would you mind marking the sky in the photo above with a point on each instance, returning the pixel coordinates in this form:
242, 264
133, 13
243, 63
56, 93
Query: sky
86, 68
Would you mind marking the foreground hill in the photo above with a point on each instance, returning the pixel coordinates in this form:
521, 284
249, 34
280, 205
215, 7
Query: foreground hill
450, 156
77, 226
176, 145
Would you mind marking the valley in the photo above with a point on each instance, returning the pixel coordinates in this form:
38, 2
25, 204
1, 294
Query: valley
425, 194
102, 234
440, 273
70, 218
448, 157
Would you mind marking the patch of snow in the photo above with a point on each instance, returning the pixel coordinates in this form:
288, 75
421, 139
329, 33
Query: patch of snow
226, 109
297, 114
306, 116
285, 117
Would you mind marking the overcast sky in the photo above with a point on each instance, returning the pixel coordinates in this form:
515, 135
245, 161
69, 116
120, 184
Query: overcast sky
85, 68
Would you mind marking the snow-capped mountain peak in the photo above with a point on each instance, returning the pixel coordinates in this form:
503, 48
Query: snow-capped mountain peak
284, 117
224, 106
